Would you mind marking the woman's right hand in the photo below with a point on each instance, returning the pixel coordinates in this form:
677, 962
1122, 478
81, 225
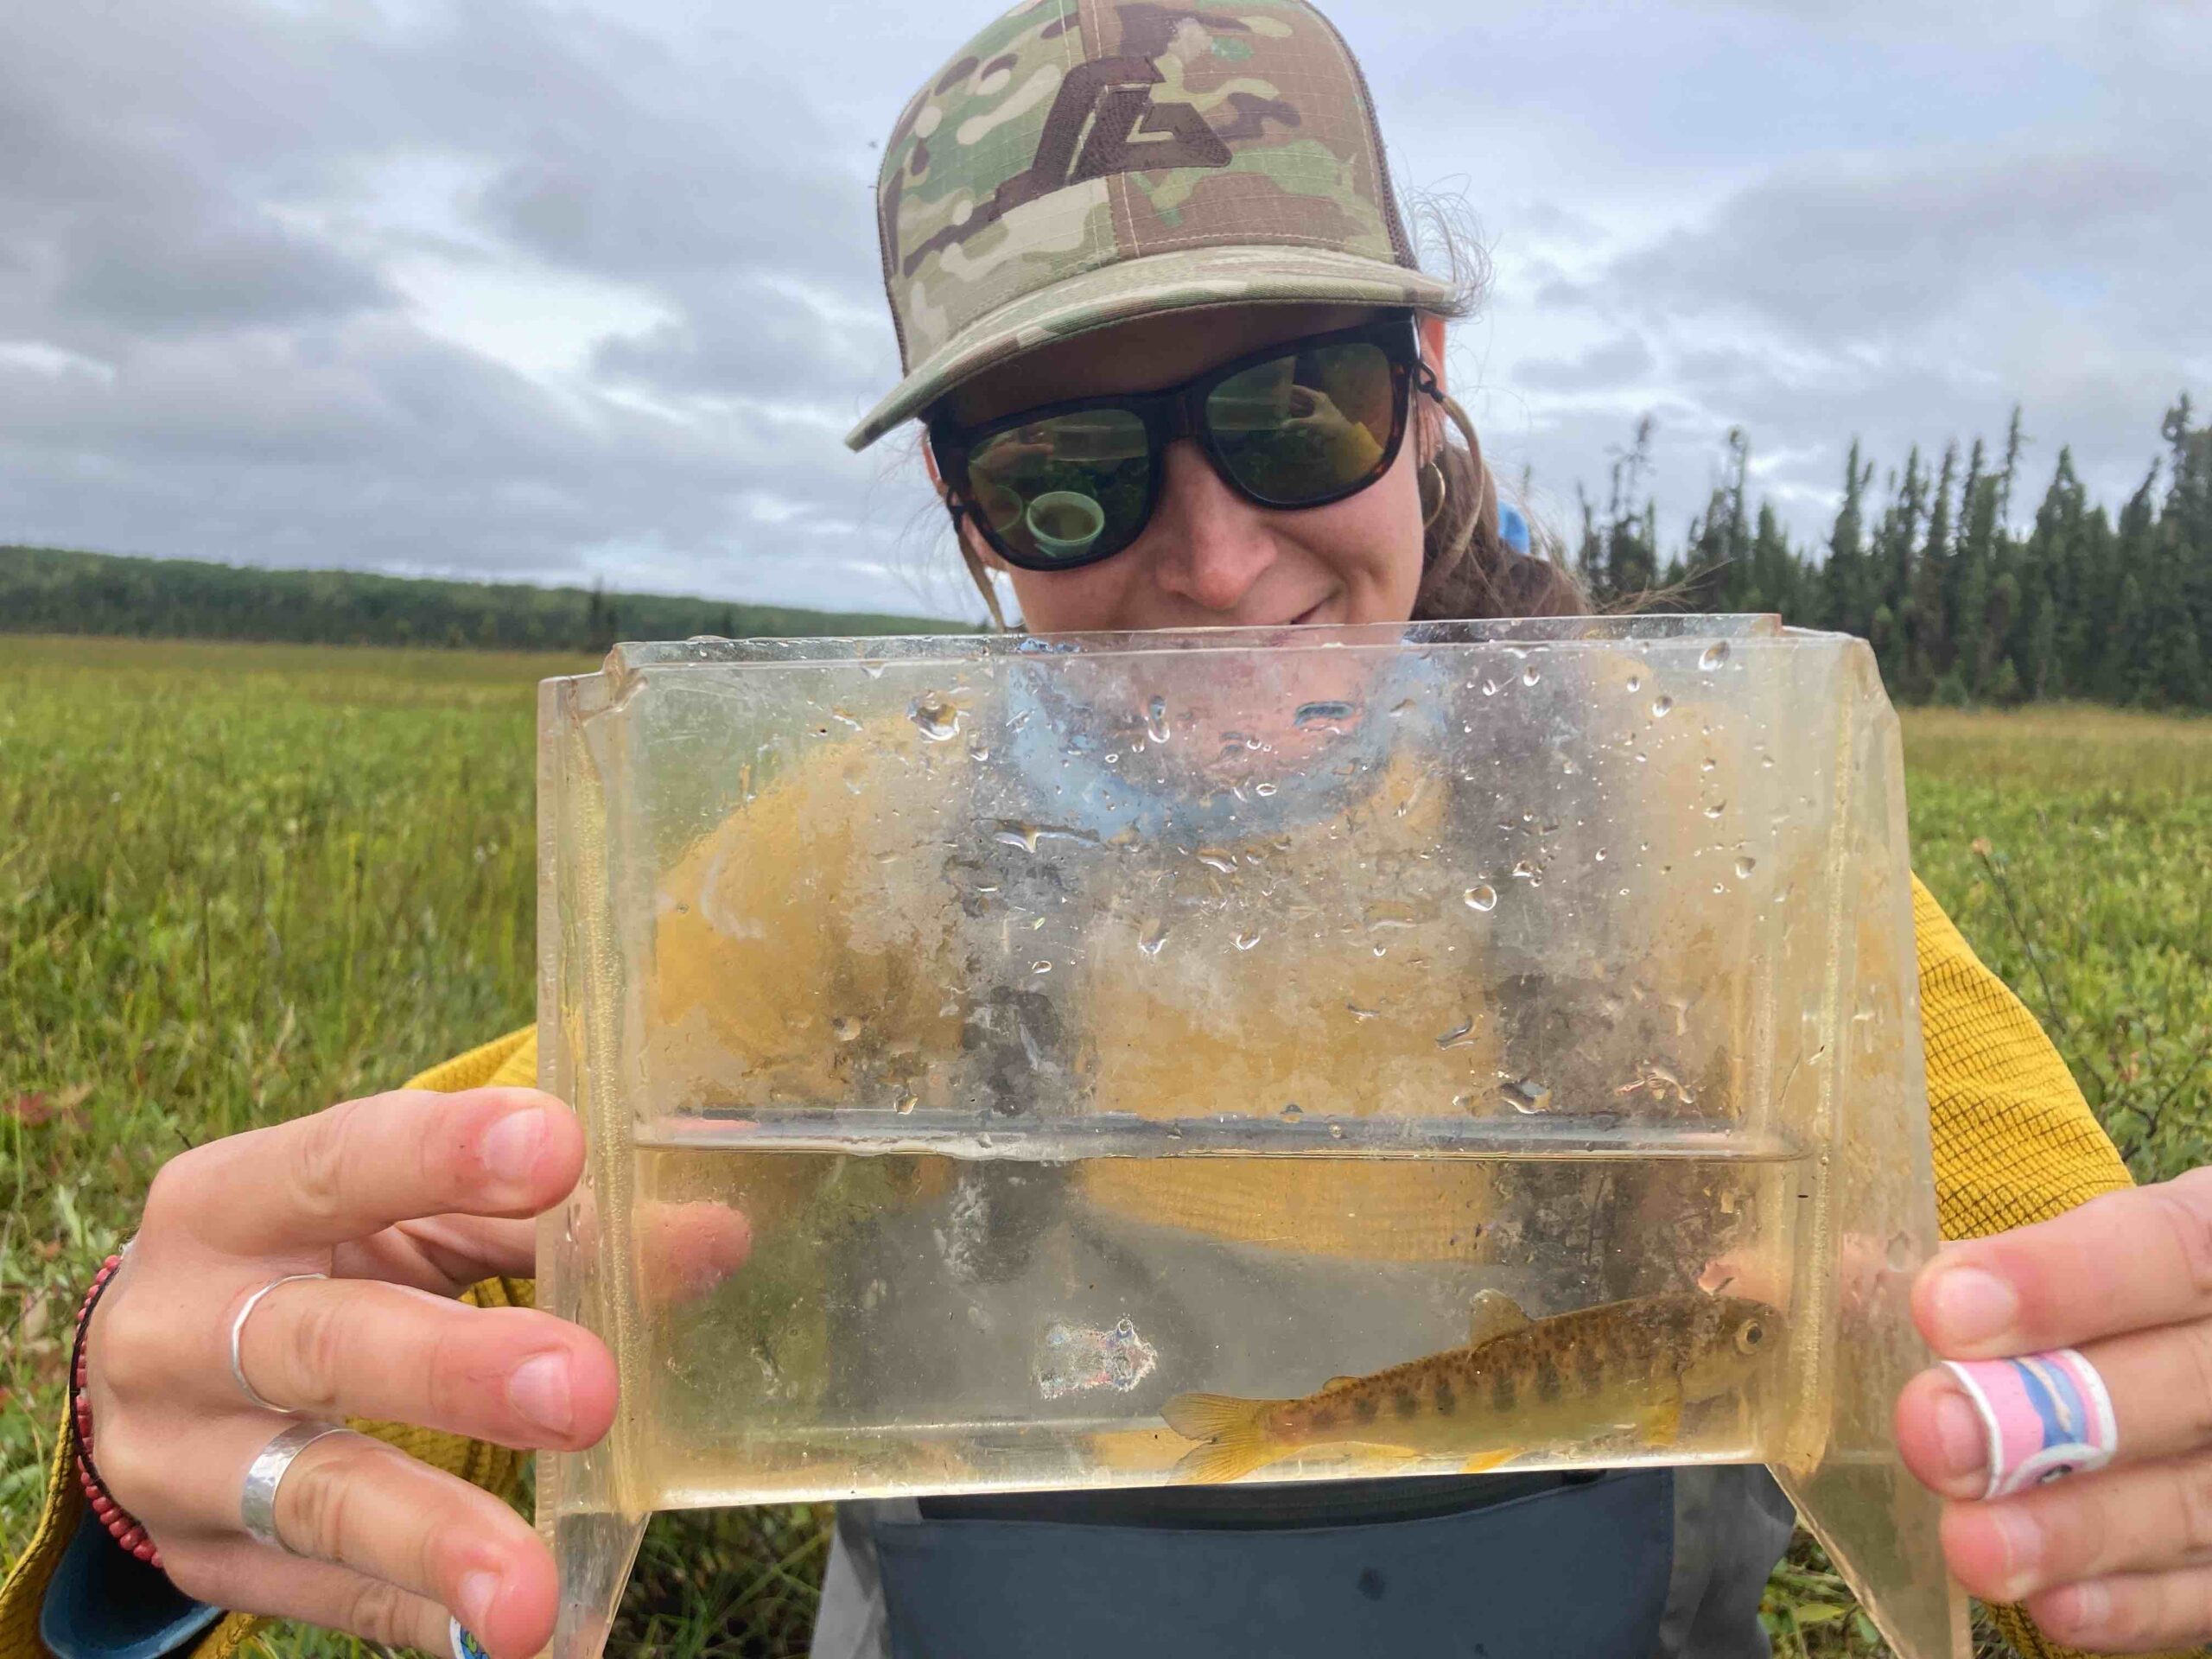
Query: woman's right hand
405, 1200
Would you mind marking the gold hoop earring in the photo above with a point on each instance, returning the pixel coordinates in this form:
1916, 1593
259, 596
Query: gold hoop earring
1434, 494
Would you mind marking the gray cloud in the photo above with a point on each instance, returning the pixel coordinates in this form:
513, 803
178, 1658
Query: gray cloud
553, 292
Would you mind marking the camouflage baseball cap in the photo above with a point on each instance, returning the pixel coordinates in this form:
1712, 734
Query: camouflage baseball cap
1083, 161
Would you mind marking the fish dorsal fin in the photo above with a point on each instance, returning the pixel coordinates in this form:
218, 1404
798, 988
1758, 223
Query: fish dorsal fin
1336, 1382
1495, 1314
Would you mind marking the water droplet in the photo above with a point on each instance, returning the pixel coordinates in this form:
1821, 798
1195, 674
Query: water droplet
845, 1028
1336, 1131
1246, 941
1707, 764
1482, 896
1524, 871
905, 1101
1490, 687
1634, 682
1527, 1096
1661, 706
1716, 808
1900, 1253
937, 715
1601, 855
1291, 1113
1154, 937
1263, 790
1465, 1103
1767, 761
1459, 1037
1041, 966
1530, 675
1391, 912
1358, 1012
1023, 836
1715, 654
1745, 866
844, 719
1214, 859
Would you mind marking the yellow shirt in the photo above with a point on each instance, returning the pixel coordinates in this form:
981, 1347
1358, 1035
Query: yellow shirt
2014, 1143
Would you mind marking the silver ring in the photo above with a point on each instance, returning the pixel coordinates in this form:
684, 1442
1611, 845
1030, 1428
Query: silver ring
258, 1503
237, 1329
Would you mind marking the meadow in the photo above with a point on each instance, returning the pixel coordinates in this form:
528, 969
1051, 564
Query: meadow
243, 882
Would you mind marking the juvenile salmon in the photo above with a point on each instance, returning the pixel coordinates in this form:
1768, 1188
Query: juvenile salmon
1518, 1383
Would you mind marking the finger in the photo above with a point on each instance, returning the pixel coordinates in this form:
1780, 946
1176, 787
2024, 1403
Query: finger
315, 1182
2159, 1381
444, 1254
688, 1248
2131, 1612
2152, 1515
244, 1577
359, 1503
353, 1347
2120, 1263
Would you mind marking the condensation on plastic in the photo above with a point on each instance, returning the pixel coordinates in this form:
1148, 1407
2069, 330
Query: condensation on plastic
1079, 1020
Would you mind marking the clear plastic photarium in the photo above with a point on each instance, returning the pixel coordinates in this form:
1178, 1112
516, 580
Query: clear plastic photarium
1237, 1055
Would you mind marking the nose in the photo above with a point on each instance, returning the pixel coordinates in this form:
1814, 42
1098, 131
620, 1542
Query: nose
1210, 545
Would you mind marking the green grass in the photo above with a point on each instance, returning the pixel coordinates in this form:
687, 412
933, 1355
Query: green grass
240, 882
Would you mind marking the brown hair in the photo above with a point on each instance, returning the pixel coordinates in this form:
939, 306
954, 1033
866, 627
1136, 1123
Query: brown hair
1467, 570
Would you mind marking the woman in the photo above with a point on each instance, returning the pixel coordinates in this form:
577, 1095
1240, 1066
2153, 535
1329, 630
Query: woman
1093, 201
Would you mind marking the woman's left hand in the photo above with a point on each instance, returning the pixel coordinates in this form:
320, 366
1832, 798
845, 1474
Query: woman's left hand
2119, 1560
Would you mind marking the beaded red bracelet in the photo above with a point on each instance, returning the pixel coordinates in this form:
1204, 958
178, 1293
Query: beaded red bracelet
126, 1531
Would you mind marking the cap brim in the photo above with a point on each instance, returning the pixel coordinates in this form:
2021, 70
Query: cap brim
1133, 288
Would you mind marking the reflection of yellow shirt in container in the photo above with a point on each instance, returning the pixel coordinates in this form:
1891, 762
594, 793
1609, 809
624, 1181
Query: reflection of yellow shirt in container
816, 897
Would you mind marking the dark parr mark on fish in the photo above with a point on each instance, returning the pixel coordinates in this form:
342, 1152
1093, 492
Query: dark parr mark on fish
1407, 1402
1446, 1401
1589, 1370
1548, 1381
1325, 1417
1365, 1408
1502, 1391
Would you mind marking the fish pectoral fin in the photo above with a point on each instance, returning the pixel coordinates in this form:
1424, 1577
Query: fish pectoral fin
1484, 1462
1661, 1422
1494, 1314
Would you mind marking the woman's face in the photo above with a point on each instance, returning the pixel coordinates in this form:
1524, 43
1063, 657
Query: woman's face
1209, 558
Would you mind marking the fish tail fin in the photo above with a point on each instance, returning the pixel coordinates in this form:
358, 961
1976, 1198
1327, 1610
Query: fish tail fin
1232, 1433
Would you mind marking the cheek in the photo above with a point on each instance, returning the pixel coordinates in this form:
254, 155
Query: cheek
1371, 542
1072, 601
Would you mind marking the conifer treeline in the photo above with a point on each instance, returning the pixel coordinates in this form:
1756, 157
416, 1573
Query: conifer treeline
1960, 605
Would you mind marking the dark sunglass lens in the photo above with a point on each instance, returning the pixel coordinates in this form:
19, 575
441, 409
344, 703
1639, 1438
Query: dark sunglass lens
1306, 425
1065, 489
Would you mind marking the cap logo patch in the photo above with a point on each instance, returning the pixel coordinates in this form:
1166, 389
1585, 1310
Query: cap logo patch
1106, 120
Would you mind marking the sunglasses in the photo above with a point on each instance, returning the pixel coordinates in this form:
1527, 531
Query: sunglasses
1301, 423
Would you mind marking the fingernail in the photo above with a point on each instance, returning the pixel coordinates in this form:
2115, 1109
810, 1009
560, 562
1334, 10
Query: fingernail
479, 1589
2082, 1606
464, 1646
1959, 1435
2022, 1549
539, 1390
511, 1145
1971, 1305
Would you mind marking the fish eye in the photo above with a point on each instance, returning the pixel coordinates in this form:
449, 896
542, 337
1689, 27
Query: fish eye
1749, 1335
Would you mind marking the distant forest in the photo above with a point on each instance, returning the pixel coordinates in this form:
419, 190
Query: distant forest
46, 590
1958, 608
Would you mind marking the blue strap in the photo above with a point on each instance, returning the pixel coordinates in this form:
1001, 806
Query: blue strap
104, 1603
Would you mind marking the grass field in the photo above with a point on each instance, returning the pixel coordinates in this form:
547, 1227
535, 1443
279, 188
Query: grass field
242, 882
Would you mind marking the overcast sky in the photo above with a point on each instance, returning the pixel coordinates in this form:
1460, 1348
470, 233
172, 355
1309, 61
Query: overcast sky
591, 290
